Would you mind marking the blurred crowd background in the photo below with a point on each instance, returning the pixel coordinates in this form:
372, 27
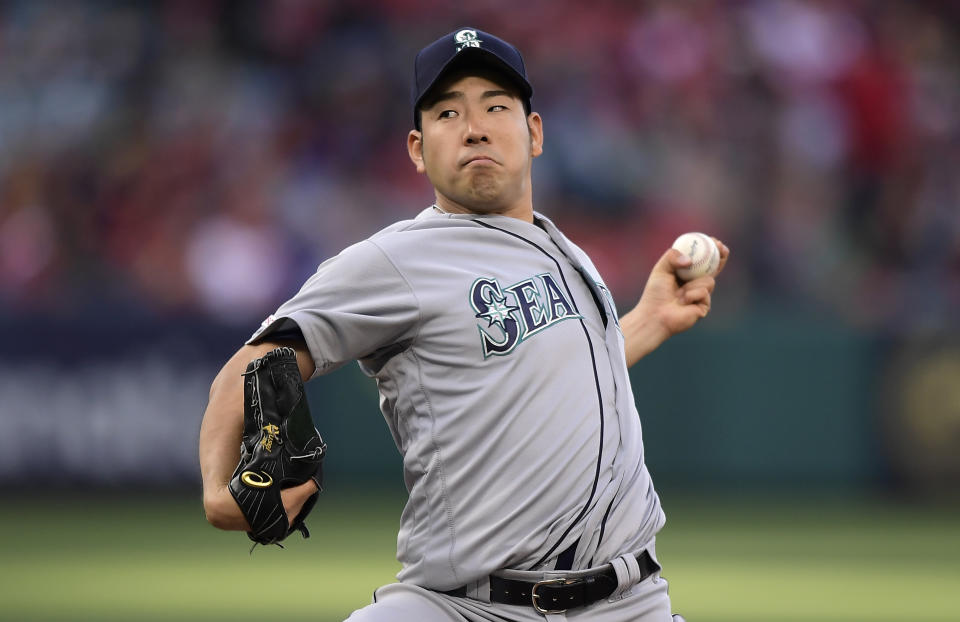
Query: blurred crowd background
177, 157
176, 169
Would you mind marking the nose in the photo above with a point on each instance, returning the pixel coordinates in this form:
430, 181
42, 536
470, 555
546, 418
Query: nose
475, 133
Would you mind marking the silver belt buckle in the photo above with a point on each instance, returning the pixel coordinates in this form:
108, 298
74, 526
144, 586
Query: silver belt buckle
534, 596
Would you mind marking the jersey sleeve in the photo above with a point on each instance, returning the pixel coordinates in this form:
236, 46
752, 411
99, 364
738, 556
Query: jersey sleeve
356, 305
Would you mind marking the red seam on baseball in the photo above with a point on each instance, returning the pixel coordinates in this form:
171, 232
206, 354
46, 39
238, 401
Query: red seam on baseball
706, 241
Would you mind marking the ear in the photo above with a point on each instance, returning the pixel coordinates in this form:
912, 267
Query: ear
535, 127
415, 149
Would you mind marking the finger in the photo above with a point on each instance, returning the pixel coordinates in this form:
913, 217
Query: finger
702, 305
699, 296
704, 282
671, 260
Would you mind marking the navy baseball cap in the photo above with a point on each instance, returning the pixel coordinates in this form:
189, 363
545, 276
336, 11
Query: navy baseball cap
466, 47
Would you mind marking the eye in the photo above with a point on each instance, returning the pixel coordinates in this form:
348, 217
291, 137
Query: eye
447, 114
497, 108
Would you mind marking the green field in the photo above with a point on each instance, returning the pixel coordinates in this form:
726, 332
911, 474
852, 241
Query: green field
126, 558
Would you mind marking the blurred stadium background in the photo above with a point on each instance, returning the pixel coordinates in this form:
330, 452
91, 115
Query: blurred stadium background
171, 171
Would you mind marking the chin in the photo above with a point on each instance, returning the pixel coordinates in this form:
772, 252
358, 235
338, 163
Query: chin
486, 193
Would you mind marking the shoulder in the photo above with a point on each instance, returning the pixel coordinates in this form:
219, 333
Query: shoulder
427, 220
579, 254
418, 234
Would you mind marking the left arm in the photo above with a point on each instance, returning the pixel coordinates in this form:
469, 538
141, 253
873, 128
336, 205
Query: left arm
667, 306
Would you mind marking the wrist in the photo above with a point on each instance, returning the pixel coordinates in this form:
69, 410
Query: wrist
294, 497
643, 332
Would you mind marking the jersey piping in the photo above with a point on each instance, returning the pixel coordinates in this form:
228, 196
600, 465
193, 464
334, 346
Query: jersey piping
596, 379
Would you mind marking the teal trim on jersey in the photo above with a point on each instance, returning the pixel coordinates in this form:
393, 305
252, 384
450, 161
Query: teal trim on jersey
610, 301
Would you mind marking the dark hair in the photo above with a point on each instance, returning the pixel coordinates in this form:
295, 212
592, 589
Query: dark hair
484, 71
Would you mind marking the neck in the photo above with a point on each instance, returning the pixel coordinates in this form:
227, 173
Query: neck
521, 211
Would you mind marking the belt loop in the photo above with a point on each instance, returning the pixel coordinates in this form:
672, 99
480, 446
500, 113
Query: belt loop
565, 559
628, 575
479, 590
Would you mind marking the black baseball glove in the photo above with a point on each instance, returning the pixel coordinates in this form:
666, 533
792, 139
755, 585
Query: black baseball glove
281, 448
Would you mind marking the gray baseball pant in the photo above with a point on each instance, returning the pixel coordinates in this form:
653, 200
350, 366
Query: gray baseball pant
646, 601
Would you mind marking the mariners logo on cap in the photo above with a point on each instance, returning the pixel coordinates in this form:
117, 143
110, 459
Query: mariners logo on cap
467, 38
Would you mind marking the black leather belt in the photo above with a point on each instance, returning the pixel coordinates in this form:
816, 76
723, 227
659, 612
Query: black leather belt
558, 595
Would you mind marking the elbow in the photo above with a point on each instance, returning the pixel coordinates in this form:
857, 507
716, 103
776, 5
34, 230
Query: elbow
213, 512
221, 510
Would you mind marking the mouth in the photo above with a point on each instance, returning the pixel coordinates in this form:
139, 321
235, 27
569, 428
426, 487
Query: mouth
478, 160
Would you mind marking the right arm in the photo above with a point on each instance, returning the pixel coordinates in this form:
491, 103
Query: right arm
221, 432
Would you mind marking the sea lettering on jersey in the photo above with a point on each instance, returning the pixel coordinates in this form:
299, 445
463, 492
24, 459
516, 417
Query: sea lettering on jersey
510, 315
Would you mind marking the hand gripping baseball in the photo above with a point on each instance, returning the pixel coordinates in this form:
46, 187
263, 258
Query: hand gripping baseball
281, 447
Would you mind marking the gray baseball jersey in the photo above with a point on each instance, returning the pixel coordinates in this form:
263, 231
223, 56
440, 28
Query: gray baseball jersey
500, 364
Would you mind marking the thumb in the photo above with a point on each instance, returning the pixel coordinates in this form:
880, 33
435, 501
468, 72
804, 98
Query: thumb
671, 260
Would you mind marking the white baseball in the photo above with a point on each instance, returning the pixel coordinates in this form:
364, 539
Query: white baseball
704, 253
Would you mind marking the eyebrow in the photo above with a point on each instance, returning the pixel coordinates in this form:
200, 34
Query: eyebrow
460, 95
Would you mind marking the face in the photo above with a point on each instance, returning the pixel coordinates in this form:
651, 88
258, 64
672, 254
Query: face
476, 148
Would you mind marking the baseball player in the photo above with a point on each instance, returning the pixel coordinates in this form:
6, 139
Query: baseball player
501, 364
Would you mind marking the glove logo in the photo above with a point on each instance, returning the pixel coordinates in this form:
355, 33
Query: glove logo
271, 434
256, 480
